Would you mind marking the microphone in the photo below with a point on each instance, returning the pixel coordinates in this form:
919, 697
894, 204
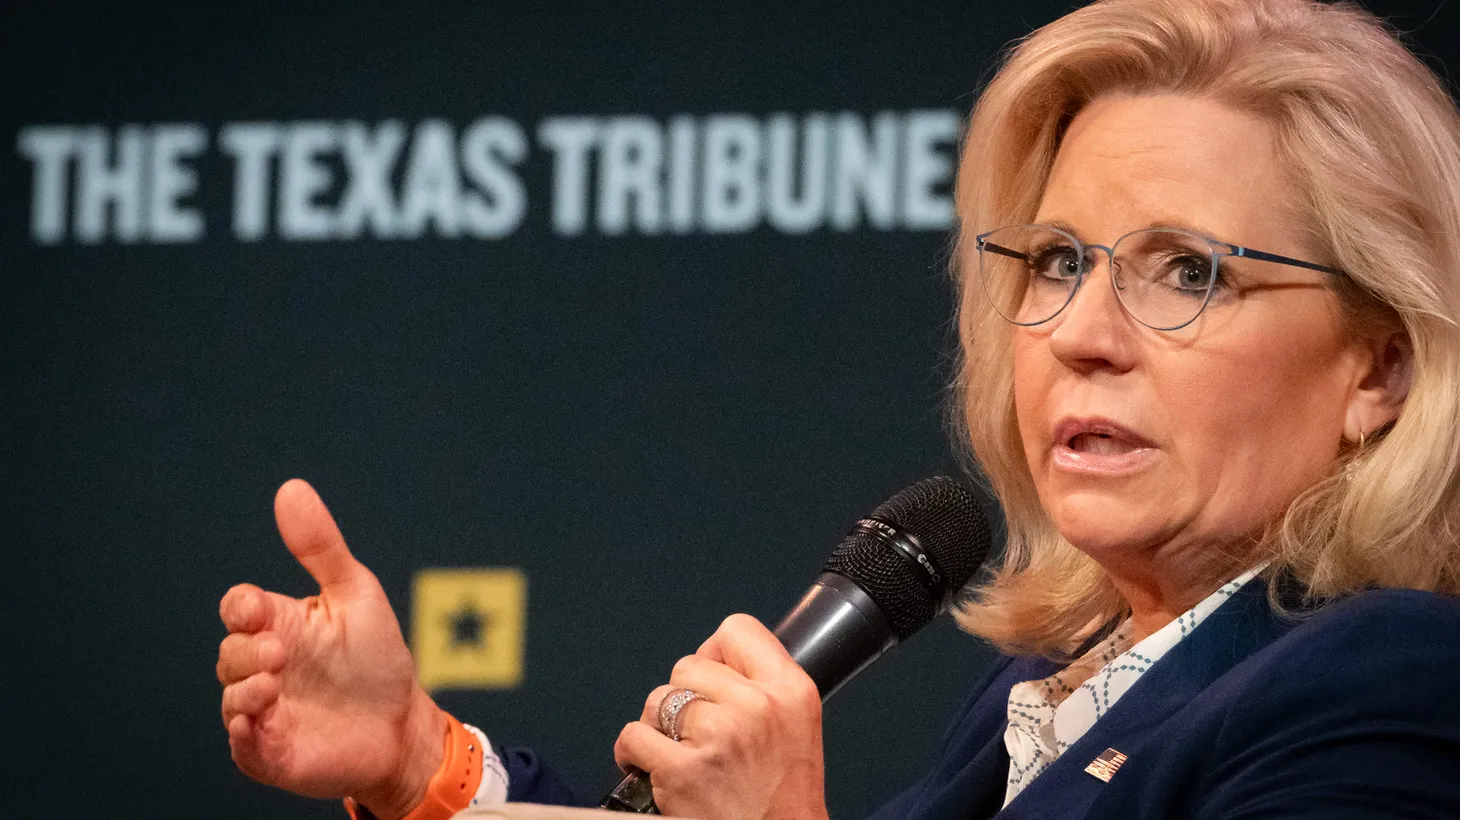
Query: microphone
895, 571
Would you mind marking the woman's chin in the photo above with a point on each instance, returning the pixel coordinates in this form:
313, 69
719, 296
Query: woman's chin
1099, 523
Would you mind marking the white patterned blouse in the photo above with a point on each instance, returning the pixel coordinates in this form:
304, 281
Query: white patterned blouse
1047, 716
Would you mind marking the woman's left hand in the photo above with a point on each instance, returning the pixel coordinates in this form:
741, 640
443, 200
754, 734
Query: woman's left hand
750, 749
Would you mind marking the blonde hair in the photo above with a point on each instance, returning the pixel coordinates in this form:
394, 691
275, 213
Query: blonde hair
1373, 141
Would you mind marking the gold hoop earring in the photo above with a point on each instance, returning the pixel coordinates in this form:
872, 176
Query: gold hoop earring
1361, 440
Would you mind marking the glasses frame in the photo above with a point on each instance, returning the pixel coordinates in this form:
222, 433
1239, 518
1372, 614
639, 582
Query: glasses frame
1083, 248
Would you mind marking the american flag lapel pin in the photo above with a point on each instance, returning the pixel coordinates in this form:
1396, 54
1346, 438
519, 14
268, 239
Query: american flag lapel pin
1106, 765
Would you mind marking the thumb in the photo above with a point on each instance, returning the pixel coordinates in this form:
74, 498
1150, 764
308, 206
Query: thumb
310, 533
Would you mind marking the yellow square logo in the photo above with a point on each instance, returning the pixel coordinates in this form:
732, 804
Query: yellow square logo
467, 627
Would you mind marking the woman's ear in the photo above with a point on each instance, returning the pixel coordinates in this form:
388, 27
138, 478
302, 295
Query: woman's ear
1382, 389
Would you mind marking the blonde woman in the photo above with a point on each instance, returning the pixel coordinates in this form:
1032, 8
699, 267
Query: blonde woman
1210, 320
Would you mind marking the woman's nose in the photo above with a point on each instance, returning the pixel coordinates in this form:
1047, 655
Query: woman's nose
1093, 330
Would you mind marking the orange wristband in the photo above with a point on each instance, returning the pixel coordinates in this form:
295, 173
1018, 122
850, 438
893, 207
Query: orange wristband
454, 784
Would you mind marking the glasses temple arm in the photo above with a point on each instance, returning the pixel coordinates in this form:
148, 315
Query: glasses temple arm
1002, 251
1263, 256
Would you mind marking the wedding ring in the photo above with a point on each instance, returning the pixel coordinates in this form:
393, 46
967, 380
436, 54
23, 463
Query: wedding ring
671, 705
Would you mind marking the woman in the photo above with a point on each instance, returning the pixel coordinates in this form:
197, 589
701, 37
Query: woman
1210, 258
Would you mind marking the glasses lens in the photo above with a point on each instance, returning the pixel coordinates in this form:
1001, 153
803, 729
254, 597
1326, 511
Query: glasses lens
1029, 272
1164, 277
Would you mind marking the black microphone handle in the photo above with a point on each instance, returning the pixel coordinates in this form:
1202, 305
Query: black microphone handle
633, 794
836, 631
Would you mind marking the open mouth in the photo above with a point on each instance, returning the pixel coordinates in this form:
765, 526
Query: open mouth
1099, 444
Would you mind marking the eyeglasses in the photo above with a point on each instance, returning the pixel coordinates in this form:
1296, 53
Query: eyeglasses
1164, 277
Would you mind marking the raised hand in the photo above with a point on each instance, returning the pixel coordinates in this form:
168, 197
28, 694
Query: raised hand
320, 695
750, 749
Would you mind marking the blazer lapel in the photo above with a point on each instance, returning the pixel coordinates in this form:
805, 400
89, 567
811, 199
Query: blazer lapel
1241, 626
974, 768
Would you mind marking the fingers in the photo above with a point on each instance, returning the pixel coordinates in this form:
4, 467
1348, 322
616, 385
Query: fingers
243, 655
745, 645
736, 702
243, 742
250, 696
714, 680
650, 714
753, 746
246, 608
643, 747
310, 533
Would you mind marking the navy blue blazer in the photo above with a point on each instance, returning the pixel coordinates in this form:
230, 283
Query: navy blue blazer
1351, 713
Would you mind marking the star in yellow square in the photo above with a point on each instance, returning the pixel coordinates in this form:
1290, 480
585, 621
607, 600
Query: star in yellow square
467, 627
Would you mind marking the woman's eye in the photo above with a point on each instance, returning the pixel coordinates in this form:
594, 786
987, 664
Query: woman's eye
1055, 263
1189, 274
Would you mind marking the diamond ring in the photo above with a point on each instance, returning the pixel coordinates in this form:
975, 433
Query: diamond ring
671, 705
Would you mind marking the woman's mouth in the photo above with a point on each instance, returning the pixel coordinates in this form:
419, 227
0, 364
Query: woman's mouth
1099, 444
1100, 447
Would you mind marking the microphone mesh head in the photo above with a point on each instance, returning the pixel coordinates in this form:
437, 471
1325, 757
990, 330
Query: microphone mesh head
942, 515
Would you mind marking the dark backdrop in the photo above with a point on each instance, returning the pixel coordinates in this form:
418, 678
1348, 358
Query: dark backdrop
658, 423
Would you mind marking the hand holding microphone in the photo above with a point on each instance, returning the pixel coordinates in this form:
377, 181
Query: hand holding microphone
751, 748
750, 744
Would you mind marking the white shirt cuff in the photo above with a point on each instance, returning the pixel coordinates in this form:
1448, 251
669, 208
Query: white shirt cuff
493, 790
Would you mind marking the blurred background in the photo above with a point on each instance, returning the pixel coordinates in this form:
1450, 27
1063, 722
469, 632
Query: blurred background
592, 326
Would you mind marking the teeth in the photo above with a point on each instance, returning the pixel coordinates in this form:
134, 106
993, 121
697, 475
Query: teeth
1098, 444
